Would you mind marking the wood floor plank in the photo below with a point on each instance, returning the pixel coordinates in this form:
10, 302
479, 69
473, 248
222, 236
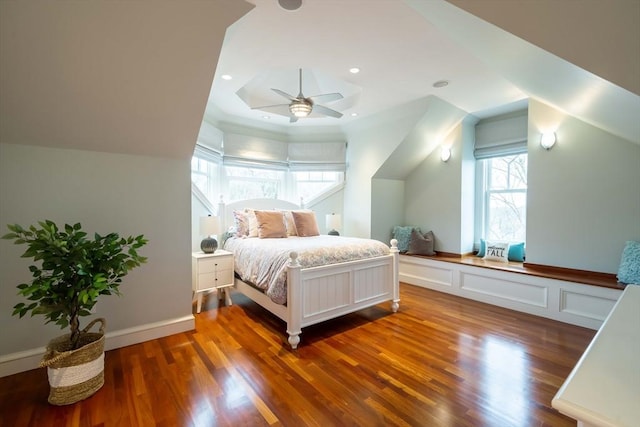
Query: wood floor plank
439, 361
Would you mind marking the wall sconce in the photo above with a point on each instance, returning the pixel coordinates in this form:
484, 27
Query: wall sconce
208, 227
547, 140
445, 154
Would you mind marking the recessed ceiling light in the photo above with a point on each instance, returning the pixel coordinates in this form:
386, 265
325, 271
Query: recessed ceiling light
266, 117
441, 83
226, 77
354, 70
290, 4
354, 114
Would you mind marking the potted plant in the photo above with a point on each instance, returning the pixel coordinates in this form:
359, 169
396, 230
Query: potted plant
72, 272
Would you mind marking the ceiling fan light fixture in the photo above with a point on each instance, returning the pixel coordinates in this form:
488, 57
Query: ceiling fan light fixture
300, 109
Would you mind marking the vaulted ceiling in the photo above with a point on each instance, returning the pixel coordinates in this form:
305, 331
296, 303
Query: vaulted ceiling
404, 47
139, 77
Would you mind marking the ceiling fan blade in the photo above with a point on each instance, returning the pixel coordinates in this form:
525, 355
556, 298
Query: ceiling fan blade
285, 94
281, 109
326, 111
326, 97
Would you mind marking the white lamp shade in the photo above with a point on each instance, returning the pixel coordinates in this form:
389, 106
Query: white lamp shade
333, 221
445, 154
548, 140
208, 225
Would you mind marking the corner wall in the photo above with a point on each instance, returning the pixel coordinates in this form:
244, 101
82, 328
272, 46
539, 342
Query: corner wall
120, 193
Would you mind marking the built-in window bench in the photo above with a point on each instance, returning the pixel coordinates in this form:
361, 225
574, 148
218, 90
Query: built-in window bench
571, 296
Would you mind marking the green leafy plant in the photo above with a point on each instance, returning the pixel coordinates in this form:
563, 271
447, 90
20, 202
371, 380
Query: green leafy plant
73, 271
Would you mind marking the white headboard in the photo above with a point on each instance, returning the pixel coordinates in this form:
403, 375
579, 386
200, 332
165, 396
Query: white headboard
226, 210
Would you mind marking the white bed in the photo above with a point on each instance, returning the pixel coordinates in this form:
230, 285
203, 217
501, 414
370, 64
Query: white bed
320, 293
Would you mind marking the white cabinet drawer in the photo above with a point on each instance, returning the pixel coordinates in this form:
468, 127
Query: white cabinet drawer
225, 277
210, 265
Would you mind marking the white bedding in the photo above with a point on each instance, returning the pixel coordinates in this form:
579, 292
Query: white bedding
263, 262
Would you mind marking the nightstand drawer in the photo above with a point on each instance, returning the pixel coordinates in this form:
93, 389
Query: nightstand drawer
225, 277
208, 280
209, 265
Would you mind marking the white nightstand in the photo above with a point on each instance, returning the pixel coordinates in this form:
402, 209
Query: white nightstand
211, 271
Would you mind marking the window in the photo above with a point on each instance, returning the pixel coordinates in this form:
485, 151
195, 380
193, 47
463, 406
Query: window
204, 175
312, 184
503, 197
252, 183
236, 181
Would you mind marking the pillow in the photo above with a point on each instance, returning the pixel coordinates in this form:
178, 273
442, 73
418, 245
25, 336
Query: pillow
403, 235
483, 248
291, 225
270, 224
421, 244
241, 223
253, 222
629, 270
497, 251
516, 252
306, 224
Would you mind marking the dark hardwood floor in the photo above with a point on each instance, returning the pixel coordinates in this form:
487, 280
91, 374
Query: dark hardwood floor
440, 361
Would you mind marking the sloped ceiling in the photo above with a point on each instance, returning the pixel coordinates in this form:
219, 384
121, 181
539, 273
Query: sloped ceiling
542, 75
124, 77
602, 37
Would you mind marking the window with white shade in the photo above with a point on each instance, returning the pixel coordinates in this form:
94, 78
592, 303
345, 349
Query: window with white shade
248, 167
501, 178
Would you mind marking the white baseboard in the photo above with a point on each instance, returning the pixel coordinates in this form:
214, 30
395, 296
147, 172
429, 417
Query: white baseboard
29, 359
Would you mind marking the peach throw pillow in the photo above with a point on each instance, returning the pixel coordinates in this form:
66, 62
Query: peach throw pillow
270, 224
306, 224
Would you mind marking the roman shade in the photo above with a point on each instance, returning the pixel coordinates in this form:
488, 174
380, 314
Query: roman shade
251, 151
317, 156
501, 136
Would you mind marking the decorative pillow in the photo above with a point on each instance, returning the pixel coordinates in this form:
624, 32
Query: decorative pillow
421, 244
629, 270
497, 251
403, 235
253, 222
270, 224
516, 252
241, 222
290, 223
306, 224
482, 249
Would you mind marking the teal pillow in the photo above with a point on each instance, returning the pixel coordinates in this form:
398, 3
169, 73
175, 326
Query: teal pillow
629, 270
403, 235
483, 248
516, 251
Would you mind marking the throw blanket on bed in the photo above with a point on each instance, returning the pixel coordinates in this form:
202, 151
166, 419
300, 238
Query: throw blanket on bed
263, 262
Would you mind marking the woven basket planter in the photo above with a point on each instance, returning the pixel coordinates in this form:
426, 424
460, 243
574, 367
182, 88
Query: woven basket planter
75, 375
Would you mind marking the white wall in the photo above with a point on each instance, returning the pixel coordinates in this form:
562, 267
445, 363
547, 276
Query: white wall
387, 207
371, 142
433, 195
583, 196
127, 194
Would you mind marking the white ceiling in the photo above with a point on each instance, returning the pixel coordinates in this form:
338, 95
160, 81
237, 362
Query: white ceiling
402, 48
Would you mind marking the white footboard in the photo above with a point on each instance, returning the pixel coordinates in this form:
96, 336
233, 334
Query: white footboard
321, 293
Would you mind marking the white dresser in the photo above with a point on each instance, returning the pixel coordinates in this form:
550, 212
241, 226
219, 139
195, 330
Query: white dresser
604, 387
209, 272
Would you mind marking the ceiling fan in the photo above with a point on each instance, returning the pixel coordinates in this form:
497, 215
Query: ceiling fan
301, 106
